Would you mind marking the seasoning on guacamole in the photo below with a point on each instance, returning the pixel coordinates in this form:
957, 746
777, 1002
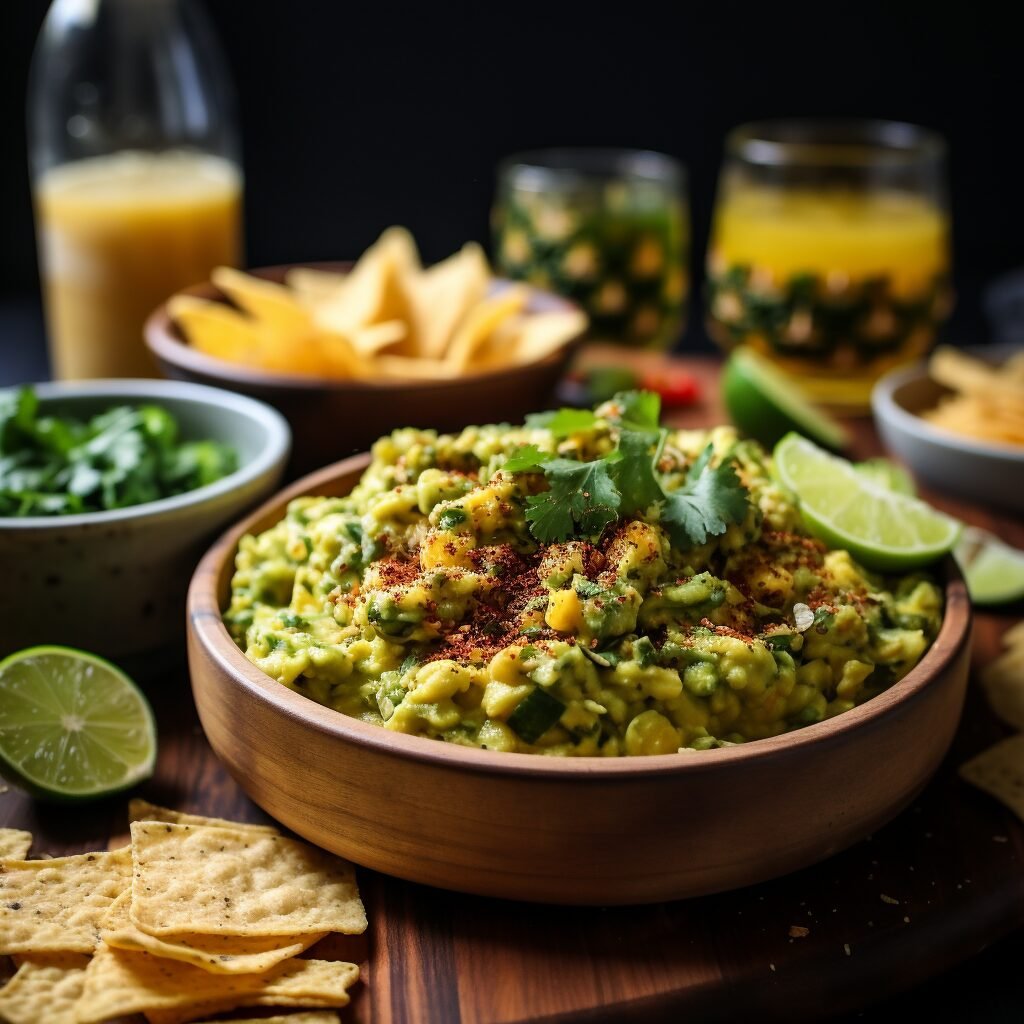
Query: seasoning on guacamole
585, 584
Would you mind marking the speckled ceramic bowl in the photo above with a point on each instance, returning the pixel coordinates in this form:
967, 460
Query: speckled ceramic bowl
114, 582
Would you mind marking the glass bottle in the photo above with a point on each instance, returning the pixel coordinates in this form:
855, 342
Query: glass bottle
136, 179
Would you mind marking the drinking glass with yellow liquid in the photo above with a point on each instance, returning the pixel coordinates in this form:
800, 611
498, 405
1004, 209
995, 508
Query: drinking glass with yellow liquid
135, 176
830, 250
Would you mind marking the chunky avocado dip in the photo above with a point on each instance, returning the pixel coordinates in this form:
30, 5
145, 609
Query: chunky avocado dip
586, 584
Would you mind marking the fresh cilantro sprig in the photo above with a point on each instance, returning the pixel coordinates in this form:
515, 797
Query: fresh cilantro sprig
585, 497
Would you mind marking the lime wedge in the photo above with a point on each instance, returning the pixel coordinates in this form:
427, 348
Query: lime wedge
994, 571
888, 474
765, 404
72, 726
882, 529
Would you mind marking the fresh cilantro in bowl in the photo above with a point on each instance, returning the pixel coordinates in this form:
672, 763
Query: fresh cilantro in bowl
53, 465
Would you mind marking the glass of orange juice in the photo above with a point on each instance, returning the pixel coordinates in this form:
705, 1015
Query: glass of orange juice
136, 182
830, 249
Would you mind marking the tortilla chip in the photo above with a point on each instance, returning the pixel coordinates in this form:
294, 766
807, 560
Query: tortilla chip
57, 905
14, 843
1014, 636
219, 954
377, 337
1005, 694
215, 329
225, 881
192, 1013
999, 771
482, 321
143, 810
376, 289
442, 296
267, 301
410, 368
119, 982
216, 953
302, 1017
313, 285
44, 989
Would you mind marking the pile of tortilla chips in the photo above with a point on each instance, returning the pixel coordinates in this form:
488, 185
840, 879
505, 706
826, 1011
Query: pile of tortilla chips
197, 916
389, 318
986, 402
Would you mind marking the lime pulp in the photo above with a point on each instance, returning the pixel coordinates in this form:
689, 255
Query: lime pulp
881, 528
72, 726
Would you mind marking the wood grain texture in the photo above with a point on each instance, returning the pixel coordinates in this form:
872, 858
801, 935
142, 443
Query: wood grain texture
954, 860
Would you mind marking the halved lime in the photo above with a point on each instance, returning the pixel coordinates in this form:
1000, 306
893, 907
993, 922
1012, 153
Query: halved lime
72, 726
994, 571
882, 529
765, 404
887, 474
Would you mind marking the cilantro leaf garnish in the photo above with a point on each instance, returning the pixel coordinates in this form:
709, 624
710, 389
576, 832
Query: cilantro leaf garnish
585, 497
637, 410
634, 473
706, 505
582, 498
563, 422
525, 458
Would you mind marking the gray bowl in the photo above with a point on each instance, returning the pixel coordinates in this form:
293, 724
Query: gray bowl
973, 470
114, 582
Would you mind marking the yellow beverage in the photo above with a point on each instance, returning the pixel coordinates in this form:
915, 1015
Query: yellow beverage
835, 284
119, 234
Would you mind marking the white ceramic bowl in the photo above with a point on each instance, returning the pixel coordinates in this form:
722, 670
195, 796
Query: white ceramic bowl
114, 582
981, 471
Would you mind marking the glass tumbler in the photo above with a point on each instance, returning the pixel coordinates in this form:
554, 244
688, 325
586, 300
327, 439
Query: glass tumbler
607, 228
830, 250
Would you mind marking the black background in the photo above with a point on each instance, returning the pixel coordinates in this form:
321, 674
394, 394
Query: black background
356, 116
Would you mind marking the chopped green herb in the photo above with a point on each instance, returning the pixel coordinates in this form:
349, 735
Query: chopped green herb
564, 422
585, 497
582, 498
125, 456
526, 458
450, 518
644, 652
711, 499
535, 714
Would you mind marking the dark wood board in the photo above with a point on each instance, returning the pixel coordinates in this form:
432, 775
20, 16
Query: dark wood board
953, 862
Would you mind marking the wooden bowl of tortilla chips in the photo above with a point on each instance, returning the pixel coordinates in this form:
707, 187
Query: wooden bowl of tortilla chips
347, 352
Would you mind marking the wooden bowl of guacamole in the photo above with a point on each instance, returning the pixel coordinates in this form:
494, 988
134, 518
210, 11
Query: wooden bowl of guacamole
356, 699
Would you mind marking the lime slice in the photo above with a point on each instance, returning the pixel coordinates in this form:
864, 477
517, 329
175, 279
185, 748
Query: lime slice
994, 571
72, 726
765, 404
882, 529
888, 474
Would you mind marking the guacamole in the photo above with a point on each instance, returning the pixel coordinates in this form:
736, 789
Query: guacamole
582, 585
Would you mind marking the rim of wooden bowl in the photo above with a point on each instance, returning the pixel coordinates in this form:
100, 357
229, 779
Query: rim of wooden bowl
204, 619
166, 343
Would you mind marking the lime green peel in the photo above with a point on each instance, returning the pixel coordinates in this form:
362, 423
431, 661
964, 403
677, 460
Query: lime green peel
881, 528
765, 404
72, 726
994, 571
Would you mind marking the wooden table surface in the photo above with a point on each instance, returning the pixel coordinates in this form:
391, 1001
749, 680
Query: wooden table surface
935, 886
